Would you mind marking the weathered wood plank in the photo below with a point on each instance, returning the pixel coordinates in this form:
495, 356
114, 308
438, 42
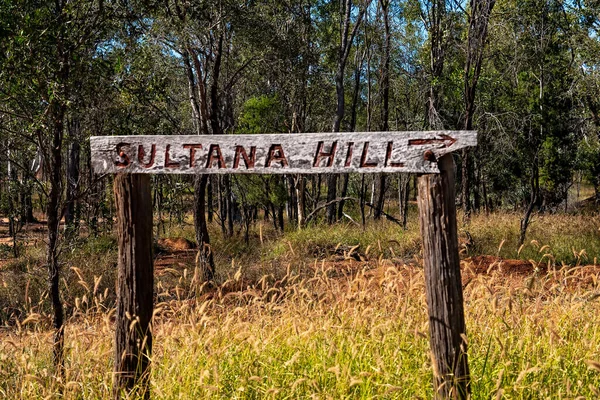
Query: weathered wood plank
443, 286
366, 152
135, 284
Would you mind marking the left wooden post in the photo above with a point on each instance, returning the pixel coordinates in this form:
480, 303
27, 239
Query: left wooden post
135, 283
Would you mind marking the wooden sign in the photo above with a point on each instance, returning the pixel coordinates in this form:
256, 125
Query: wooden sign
277, 153
427, 153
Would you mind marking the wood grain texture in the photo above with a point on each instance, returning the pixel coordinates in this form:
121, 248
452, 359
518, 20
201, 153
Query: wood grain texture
135, 284
443, 285
366, 152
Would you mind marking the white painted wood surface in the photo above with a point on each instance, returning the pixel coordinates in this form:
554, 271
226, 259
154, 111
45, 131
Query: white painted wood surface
306, 153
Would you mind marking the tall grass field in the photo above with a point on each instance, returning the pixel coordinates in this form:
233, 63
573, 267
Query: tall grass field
325, 313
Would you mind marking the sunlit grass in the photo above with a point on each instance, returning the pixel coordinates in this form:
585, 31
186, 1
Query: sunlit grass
320, 324
361, 335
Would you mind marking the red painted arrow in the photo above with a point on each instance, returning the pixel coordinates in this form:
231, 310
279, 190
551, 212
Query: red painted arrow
446, 140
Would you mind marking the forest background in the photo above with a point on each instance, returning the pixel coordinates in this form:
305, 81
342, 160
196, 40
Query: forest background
524, 74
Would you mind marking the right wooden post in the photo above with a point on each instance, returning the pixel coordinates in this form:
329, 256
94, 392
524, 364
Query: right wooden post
443, 285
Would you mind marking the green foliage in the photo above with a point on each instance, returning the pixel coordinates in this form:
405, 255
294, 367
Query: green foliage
588, 159
261, 114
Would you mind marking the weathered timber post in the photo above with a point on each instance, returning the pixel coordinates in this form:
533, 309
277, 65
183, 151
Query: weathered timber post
443, 286
135, 282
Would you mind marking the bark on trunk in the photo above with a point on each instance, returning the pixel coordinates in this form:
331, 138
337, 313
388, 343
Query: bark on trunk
209, 199
72, 214
533, 200
403, 194
385, 98
466, 183
27, 202
204, 259
53, 215
192, 90
380, 190
300, 194
343, 193
331, 212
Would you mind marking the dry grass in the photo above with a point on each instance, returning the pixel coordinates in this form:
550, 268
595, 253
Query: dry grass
357, 334
302, 319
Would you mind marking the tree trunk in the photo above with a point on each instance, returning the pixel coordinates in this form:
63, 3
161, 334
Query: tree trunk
466, 183
343, 193
196, 115
330, 212
344, 50
476, 39
292, 199
363, 195
477, 186
380, 191
72, 214
353, 113
26, 201
229, 204
53, 216
300, 194
204, 259
403, 194
11, 175
443, 285
280, 218
135, 284
222, 206
385, 99
209, 199
534, 197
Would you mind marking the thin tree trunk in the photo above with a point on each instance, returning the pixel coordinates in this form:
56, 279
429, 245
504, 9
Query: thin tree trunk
534, 197
403, 194
209, 199
280, 218
301, 195
385, 98
72, 214
222, 207
192, 90
26, 201
53, 215
353, 113
363, 194
204, 259
476, 38
343, 194
229, 204
343, 52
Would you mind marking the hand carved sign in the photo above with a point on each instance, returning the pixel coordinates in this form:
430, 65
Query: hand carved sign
304, 153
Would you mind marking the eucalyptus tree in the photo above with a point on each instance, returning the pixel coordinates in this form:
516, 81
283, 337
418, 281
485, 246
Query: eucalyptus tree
385, 96
211, 41
587, 40
479, 13
530, 104
347, 33
45, 52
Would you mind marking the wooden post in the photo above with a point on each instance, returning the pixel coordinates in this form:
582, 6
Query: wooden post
443, 286
135, 281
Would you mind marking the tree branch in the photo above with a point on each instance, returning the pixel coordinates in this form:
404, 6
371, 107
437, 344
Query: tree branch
322, 206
